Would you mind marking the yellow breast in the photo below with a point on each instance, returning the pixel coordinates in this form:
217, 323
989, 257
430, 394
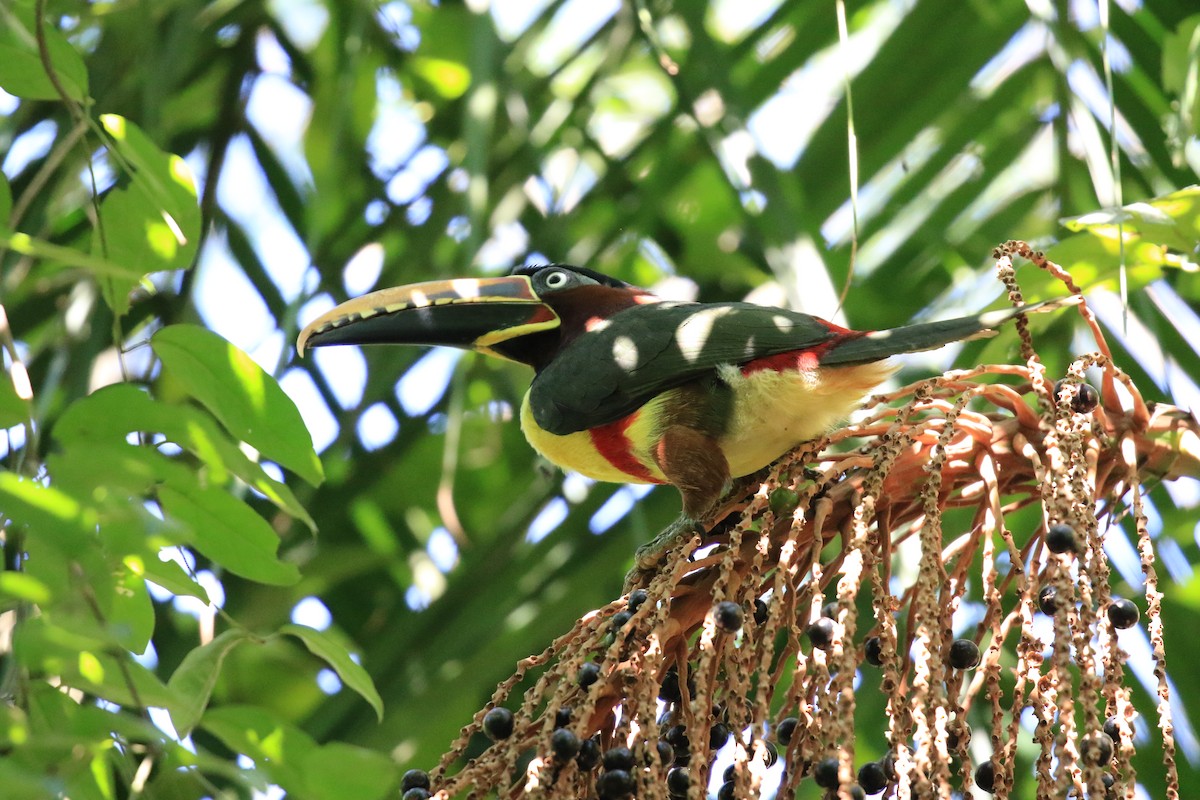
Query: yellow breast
776, 411
773, 412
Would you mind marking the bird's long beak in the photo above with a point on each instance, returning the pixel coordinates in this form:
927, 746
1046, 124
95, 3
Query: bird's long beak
472, 313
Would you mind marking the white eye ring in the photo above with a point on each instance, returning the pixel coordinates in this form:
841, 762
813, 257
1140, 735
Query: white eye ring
556, 280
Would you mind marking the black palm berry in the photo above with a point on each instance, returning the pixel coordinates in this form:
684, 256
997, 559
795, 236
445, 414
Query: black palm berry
666, 753
857, 793
820, 633
414, 779
1060, 538
830, 610
771, 754
729, 774
1048, 600
964, 654
678, 782
727, 791
416, 793
636, 598
985, 776
498, 724
1085, 400
1108, 779
564, 744
952, 736
669, 691
826, 773
620, 618
761, 611
589, 673
1112, 726
785, 729
873, 651
718, 735
888, 762
562, 717
1096, 748
872, 777
589, 755
728, 615
614, 784
677, 737
1123, 613
619, 758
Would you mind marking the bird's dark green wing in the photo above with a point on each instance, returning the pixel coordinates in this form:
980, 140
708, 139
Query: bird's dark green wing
636, 354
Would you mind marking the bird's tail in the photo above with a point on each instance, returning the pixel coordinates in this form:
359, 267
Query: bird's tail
878, 345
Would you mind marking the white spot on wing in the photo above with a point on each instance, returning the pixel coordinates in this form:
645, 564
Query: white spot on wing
783, 323
625, 353
692, 334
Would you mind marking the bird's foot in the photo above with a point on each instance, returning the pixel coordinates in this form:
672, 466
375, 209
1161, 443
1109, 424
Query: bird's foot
651, 556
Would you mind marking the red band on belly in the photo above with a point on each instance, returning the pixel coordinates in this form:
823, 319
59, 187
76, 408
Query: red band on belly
614, 445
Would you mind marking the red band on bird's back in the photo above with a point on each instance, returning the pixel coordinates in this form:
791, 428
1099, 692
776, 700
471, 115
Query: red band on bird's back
805, 359
614, 445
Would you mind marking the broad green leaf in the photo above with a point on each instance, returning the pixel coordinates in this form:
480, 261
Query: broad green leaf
51, 512
111, 413
294, 761
131, 616
247, 401
332, 649
21, 70
24, 586
165, 178
195, 677
229, 532
42, 645
338, 771
26, 245
279, 749
152, 223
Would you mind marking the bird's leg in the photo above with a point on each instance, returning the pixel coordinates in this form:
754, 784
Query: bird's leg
693, 463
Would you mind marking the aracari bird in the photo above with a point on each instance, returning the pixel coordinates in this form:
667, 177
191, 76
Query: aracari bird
630, 388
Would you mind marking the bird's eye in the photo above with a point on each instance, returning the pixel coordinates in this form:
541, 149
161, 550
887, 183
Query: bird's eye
556, 280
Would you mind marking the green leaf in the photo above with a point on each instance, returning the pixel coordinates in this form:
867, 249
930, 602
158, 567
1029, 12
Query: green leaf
22, 72
24, 586
41, 645
131, 617
152, 223
294, 761
247, 401
229, 532
334, 651
164, 177
279, 749
26, 245
194, 679
112, 413
340, 771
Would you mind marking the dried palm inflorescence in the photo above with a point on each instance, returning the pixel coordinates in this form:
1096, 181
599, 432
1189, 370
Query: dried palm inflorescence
753, 635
